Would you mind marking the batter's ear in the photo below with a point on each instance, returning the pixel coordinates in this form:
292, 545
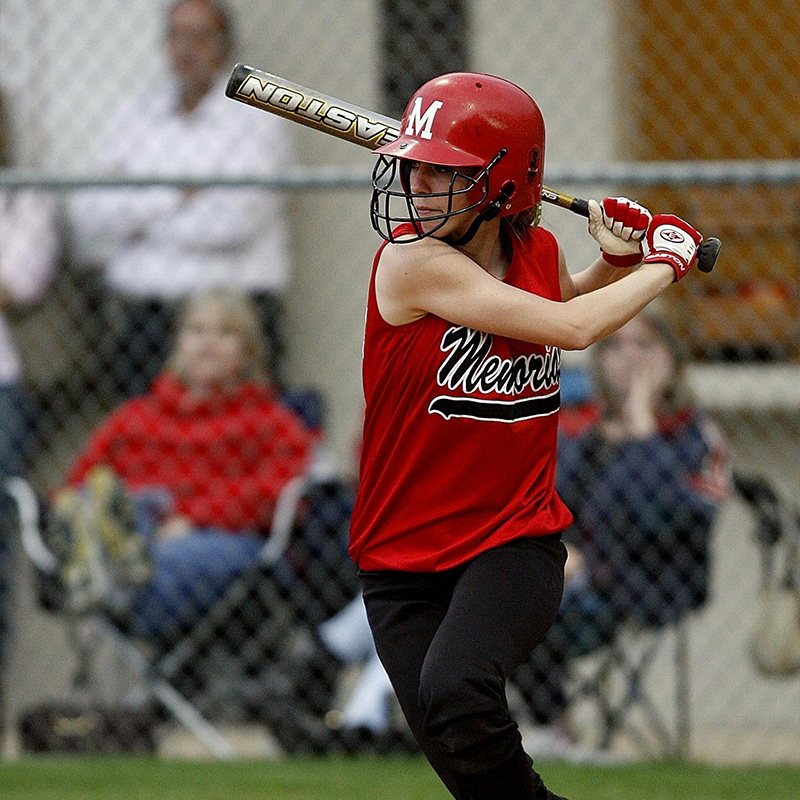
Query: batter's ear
533, 166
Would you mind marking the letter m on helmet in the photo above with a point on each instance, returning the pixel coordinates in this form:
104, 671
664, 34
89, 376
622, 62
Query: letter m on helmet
419, 124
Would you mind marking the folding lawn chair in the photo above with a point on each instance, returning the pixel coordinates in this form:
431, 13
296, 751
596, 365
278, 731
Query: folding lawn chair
264, 605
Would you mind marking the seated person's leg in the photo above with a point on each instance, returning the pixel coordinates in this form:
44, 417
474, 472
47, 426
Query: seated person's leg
6, 569
343, 639
586, 621
181, 577
13, 432
347, 634
368, 706
348, 637
190, 573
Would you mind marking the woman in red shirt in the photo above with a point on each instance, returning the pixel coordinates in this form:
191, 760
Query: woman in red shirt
456, 528
205, 454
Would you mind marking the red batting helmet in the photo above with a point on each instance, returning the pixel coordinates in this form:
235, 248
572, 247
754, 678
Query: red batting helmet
484, 125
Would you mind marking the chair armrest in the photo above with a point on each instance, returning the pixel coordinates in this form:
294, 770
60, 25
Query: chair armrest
27, 503
283, 519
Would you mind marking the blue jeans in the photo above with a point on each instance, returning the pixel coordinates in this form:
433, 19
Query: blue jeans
14, 433
14, 430
191, 572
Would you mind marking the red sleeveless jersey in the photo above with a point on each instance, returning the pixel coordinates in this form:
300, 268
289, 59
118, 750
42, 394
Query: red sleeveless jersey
459, 445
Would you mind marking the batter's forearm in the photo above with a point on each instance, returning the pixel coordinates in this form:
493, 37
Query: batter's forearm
598, 275
603, 311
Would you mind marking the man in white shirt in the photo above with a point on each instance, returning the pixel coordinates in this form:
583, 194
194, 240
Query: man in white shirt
161, 244
29, 249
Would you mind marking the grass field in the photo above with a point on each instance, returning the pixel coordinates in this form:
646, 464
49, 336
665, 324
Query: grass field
366, 779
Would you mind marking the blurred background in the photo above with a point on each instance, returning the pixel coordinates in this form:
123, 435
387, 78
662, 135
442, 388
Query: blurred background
689, 108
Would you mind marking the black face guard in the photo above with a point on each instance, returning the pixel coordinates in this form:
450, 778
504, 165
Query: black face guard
385, 214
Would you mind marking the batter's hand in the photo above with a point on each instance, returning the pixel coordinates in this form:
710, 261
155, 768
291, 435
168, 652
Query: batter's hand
618, 226
671, 240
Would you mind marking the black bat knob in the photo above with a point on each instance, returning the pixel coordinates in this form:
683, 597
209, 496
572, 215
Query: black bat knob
707, 254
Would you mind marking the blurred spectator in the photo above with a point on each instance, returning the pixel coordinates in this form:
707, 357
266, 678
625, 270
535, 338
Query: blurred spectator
644, 473
323, 718
161, 244
194, 468
329, 712
347, 637
29, 251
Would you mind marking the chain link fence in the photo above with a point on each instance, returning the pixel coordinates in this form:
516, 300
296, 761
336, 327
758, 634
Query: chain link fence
139, 186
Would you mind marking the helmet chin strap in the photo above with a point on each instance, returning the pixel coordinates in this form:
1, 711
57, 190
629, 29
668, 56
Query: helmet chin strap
488, 213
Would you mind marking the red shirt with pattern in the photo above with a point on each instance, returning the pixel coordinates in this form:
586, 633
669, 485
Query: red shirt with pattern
223, 459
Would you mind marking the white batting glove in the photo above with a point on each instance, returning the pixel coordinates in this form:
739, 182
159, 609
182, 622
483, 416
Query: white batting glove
671, 240
618, 226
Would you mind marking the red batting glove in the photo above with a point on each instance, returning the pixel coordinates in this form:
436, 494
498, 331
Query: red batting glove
618, 226
671, 240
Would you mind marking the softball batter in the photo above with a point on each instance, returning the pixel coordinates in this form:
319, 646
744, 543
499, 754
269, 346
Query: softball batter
457, 526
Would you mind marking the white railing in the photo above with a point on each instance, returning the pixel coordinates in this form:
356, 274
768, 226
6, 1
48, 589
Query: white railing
636, 173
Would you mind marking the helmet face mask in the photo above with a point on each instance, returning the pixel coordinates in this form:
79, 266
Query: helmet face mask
391, 207
487, 131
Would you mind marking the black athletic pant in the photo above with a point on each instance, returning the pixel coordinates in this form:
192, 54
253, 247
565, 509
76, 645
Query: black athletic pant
449, 640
